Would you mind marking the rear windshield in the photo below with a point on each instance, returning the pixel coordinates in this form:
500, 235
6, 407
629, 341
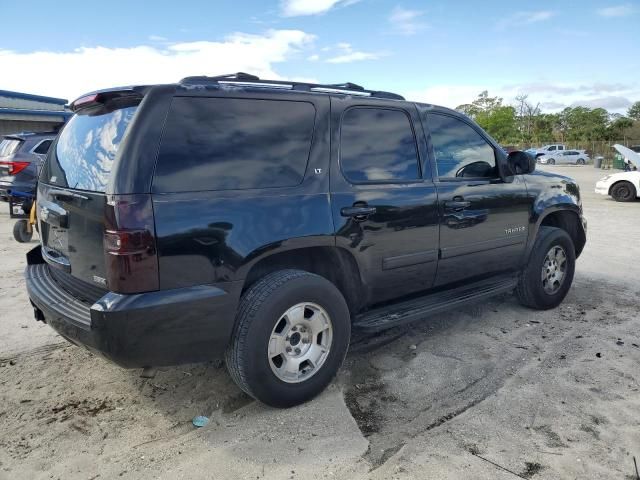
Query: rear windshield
85, 150
8, 146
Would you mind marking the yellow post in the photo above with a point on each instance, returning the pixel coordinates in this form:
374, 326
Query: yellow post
32, 217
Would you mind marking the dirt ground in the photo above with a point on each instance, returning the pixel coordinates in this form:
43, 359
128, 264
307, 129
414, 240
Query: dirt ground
491, 391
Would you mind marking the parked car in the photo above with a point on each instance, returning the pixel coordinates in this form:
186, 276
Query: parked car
21, 156
552, 149
570, 157
268, 219
622, 186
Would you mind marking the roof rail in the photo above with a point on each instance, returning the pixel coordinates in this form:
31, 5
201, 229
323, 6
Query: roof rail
242, 78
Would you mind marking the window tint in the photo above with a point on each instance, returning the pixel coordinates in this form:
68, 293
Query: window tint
86, 149
377, 145
551, 149
227, 144
459, 149
43, 148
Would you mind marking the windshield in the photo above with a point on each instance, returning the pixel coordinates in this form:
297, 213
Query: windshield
86, 149
8, 146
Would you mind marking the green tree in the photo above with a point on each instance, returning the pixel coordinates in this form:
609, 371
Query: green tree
634, 111
582, 123
497, 119
618, 127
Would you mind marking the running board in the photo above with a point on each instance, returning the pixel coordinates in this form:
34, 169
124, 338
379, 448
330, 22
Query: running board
418, 308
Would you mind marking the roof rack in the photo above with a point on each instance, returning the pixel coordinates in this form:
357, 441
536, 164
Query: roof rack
242, 78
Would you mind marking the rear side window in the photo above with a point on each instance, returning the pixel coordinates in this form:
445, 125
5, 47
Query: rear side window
9, 146
377, 145
43, 148
86, 149
230, 143
461, 152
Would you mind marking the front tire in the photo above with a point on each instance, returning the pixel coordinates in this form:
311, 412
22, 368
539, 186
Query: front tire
291, 335
623, 192
547, 278
580, 161
552, 161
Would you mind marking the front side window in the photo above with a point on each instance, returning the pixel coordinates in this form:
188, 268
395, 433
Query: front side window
86, 149
234, 144
551, 149
460, 151
378, 145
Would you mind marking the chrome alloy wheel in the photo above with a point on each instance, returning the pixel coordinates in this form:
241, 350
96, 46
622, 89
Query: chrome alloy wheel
300, 342
554, 269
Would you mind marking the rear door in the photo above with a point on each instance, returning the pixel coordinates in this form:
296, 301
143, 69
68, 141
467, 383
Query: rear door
71, 193
484, 220
383, 198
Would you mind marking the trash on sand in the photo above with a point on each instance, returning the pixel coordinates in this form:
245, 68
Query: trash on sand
200, 421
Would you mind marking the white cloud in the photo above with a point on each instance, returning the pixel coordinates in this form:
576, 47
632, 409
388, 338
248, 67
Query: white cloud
297, 8
529, 17
90, 68
346, 54
353, 57
406, 22
617, 10
157, 38
611, 103
552, 96
313, 58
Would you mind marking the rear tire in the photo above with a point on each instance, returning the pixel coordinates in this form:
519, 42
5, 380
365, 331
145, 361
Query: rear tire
21, 233
547, 278
281, 319
623, 192
580, 161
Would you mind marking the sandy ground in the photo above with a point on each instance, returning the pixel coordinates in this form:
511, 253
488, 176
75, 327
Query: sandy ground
489, 392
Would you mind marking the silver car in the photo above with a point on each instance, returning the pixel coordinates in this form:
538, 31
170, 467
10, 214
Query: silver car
567, 157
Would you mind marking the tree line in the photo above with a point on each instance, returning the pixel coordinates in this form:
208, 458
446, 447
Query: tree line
525, 124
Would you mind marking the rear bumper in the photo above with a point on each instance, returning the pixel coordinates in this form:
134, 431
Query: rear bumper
167, 327
15, 189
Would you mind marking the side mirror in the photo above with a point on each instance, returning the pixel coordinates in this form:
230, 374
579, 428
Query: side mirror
521, 163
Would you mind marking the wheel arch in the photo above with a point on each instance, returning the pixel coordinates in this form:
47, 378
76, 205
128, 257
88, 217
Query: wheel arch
636, 185
567, 218
336, 264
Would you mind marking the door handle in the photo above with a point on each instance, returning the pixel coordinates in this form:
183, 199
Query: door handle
456, 205
357, 212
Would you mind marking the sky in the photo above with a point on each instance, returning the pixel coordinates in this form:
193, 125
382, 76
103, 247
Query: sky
561, 53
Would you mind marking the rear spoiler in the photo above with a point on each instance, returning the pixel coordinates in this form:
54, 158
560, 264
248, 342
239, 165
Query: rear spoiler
98, 100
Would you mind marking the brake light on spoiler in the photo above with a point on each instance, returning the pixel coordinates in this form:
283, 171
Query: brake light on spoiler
99, 99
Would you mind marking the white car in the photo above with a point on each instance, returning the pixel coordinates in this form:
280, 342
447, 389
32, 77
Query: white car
622, 186
571, 157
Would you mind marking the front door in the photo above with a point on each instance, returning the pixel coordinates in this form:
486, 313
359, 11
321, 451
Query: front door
383, 200
484, 220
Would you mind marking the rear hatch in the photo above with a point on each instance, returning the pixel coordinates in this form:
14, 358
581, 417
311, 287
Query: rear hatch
77, 218
8, 168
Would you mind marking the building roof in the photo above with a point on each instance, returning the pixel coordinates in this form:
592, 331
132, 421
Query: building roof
37, 98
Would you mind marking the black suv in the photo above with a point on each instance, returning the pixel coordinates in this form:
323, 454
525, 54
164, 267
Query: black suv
269, 219
21, 156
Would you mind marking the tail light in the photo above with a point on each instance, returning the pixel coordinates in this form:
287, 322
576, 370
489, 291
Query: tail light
129, 244
15, 167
